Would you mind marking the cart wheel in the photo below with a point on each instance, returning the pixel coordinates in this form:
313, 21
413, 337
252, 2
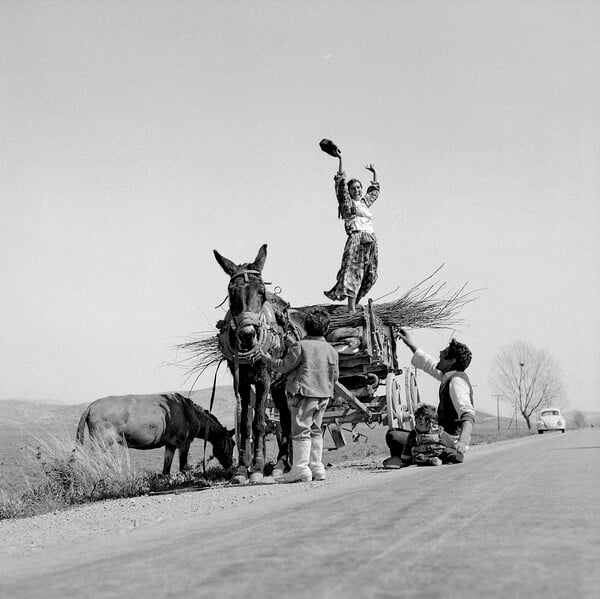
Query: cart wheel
392, 397
412, 395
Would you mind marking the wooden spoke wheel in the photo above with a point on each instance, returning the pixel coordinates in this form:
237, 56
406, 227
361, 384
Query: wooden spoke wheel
392, 400
412, 398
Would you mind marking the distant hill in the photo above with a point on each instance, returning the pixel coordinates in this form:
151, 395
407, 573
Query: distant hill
33, 413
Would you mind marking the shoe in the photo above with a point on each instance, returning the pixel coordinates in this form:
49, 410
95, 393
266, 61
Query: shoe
392, 463
435, 462
297, 476
316, 459
300, 472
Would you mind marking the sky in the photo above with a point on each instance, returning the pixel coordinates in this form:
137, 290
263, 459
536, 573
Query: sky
136, 137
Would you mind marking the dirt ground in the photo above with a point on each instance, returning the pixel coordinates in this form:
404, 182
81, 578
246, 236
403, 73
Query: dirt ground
26, 536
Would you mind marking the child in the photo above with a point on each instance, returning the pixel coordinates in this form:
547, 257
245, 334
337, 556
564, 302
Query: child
311, 365
424, 446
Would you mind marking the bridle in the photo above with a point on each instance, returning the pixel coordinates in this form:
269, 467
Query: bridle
268, 337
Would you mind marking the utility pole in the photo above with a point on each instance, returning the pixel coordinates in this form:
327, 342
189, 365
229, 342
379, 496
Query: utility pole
498, 411
521, 364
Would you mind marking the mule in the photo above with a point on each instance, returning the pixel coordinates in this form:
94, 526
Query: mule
253, 323
151, 421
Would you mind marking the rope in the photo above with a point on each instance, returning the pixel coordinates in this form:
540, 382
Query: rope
212, 399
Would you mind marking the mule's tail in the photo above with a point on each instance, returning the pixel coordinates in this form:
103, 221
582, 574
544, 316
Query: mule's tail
81, 425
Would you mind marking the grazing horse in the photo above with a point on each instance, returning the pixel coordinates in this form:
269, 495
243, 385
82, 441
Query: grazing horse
253, 323
150, 421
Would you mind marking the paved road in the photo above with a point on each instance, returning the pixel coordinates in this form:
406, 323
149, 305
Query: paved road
520, 519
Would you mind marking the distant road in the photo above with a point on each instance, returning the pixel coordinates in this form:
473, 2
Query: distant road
519, 519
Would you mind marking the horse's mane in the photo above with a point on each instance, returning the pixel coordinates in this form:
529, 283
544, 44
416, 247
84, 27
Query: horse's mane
199, 415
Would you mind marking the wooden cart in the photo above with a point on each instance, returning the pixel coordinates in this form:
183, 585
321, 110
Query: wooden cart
372, 388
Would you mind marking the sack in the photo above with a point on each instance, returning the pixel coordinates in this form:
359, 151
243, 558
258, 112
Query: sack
328, 147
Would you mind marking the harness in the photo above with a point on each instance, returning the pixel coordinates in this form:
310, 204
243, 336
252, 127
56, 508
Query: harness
270, 338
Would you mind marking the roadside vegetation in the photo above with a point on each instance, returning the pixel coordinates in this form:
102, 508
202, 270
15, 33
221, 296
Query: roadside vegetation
94, 472
73, 474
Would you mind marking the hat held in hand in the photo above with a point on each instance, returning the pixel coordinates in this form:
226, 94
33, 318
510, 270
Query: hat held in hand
329, 147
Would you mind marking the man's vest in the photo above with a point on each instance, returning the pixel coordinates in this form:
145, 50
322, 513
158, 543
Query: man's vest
448, 419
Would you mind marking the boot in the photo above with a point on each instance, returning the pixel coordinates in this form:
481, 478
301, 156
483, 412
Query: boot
316, 459
300, 472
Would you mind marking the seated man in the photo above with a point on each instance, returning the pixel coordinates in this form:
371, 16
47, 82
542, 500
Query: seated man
456, 414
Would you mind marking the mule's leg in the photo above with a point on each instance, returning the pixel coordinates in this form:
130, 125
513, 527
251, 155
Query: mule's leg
184, 451
241, 474
169, 453
258, 430
284, 437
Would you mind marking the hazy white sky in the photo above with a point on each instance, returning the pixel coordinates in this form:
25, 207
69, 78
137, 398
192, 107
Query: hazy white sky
138, 136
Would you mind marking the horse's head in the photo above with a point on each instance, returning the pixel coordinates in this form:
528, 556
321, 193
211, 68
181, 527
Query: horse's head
223, 448
246, 296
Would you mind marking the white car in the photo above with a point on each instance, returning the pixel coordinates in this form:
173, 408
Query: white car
551, 420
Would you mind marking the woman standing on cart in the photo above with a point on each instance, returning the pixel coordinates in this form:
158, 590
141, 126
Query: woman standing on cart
358, 271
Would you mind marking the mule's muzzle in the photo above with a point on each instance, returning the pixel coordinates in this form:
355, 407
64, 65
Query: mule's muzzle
247, 338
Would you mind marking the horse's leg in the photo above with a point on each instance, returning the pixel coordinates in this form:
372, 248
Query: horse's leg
169, 453
241, 474
184, 451
284, 436
258, 429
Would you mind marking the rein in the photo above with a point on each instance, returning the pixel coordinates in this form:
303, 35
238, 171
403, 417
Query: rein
212, 401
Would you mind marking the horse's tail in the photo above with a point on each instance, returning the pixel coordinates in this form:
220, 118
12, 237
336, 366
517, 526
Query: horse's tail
81, 425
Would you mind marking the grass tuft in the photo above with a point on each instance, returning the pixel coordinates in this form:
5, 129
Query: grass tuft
75, 474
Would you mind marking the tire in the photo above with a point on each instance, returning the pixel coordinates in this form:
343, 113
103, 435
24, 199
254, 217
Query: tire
392, 401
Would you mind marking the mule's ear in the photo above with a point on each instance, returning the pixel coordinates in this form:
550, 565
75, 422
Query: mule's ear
259, 261
227, 265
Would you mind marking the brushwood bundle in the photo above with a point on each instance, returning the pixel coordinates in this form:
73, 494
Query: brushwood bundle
423, 306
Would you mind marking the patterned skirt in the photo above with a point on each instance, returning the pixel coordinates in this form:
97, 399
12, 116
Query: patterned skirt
358, 272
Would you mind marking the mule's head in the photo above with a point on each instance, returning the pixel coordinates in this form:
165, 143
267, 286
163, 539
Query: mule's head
247, 295
223, 447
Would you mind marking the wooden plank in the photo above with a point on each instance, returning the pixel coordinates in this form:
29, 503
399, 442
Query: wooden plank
342, 392
368, 333
337, 434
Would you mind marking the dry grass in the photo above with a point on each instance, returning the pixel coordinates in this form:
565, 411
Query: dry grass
75, 474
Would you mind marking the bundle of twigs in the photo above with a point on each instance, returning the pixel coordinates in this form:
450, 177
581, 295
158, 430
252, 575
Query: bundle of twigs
423, 306
202, 353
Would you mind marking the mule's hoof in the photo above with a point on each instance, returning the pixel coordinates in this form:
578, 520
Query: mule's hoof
239, 479
277, 472
256, 477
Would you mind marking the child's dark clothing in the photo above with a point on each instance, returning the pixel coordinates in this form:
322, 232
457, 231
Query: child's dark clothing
422, 448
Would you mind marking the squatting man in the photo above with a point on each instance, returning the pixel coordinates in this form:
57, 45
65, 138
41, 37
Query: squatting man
456, 413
